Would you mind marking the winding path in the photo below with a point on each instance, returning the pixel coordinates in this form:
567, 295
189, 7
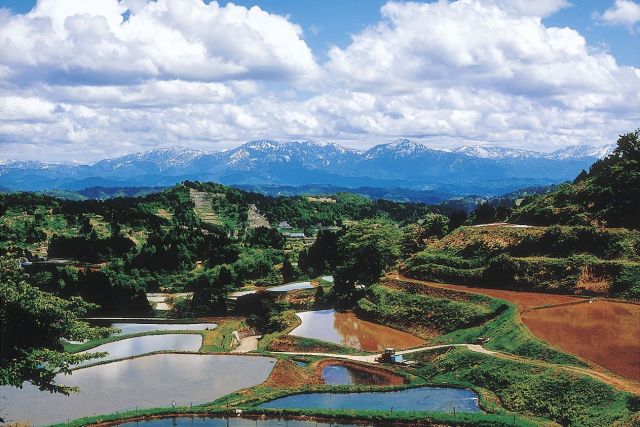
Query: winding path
247, 344
615, 381
371, 358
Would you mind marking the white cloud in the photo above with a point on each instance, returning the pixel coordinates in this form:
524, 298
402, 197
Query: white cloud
474, 44
82, 41
80, 82
622, 12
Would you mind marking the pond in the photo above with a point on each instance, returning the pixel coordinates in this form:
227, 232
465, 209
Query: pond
146, 344
435, 399
290, 287
346, 329
136, 328
144, 382
335, 374
231, 422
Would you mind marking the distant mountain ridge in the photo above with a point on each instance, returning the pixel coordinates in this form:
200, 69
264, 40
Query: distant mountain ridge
481, 170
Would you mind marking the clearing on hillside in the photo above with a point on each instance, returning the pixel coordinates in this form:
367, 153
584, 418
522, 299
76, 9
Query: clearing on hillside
203, 205
256, 219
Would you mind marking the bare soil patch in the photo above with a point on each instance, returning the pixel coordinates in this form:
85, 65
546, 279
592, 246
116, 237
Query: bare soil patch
604, 332
288, 374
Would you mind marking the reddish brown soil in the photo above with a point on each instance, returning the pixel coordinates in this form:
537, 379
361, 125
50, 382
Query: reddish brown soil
288, 374
605, 332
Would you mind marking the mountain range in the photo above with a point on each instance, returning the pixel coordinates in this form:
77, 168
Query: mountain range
478, 170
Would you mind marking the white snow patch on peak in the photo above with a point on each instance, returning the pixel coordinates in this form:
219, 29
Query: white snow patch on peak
492, 152
582, 151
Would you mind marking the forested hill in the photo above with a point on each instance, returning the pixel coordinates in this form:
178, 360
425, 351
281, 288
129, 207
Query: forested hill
34, 224
607, 195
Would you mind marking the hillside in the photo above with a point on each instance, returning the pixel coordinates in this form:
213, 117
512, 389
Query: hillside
558, 259
607, 195
572, 249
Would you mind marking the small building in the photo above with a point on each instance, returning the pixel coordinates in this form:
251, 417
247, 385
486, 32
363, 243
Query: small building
294, 235
285, 225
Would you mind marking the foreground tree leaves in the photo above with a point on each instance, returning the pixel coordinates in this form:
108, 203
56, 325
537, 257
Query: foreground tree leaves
32, 325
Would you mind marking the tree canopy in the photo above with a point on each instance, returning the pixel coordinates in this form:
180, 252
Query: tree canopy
365, 252
32, 324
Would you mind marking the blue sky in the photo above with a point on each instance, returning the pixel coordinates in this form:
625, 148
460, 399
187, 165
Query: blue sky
78, 83
331, 22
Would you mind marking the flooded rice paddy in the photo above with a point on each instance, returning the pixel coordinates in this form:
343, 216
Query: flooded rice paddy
146, 344
291, 287
232, 422
136, 328
338, 374
144, 382
604, 332
346, 329
415, 399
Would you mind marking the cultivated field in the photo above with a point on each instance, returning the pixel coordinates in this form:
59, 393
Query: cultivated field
604, 332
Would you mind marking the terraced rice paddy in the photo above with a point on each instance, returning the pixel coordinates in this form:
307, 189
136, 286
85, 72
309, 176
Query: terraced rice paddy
290, 287
344, 374
346, 329
146, 344
415, 399
143, 382
604, 332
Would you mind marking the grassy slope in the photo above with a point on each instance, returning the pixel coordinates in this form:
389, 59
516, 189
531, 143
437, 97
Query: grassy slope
551, 259
533, 389
418, 313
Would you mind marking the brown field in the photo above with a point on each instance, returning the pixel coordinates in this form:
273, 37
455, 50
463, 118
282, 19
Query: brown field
604, 332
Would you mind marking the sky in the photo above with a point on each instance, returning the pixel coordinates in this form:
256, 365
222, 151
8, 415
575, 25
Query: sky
86, 80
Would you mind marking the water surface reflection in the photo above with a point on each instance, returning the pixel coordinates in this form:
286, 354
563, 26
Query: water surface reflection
346, 329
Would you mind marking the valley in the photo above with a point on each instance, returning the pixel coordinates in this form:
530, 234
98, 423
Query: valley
217, 305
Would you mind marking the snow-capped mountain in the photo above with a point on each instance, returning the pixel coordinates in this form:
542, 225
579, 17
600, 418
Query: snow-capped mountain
490, 152
582, 151
483, 170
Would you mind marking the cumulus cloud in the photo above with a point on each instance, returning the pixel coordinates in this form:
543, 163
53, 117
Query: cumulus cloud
85, 80
622, 12
107, 41
475, 44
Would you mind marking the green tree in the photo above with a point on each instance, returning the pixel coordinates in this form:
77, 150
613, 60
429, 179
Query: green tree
32, 325
436, 225
412, 239
365, 252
